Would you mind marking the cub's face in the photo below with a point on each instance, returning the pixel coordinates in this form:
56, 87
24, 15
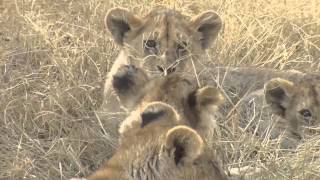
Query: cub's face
160, 148
297, 103
163, 41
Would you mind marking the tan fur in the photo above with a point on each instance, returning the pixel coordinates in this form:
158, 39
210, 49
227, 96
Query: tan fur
133, 122
196, 106
284, 106
241, 74
178, 40
239, 81
188, 137
163, 149
262, 111
163, 136
298, 103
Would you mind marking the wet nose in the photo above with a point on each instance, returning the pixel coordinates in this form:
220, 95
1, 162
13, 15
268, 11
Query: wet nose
165, 66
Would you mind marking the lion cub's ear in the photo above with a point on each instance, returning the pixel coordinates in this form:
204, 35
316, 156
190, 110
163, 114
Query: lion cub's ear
121, 21
208, 24
185, 143
277, 94
206, 97
158, 111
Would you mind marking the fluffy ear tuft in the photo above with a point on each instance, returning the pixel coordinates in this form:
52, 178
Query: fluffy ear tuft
206, 96
186, 144
120, 21
158, 112
208, 24
277, 94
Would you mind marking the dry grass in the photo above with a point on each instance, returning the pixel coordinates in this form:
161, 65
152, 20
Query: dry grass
54, 56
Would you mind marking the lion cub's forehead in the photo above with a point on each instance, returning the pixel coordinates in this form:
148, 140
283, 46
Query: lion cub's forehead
177, 83
309, 92
167, 24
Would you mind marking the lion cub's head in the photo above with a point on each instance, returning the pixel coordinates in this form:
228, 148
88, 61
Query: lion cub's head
164, 40
160, 148
298, 103
162, 137
195, 105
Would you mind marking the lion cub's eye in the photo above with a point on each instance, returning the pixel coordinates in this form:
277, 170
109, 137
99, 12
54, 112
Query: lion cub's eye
182, 48
150, 46
305, 113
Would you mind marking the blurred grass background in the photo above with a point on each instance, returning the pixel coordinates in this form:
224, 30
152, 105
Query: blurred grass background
54, 56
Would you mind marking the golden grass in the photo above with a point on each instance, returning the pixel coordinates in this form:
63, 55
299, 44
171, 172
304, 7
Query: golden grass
54, 56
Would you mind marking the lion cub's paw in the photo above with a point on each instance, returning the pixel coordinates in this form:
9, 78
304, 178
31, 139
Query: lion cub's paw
124, 78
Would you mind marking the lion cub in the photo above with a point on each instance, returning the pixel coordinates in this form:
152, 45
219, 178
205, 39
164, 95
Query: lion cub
159, 147
196, 106
284, 106
163, 136
162, 42
237, 82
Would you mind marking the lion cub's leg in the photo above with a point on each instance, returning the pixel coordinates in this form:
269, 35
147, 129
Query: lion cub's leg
128, 83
